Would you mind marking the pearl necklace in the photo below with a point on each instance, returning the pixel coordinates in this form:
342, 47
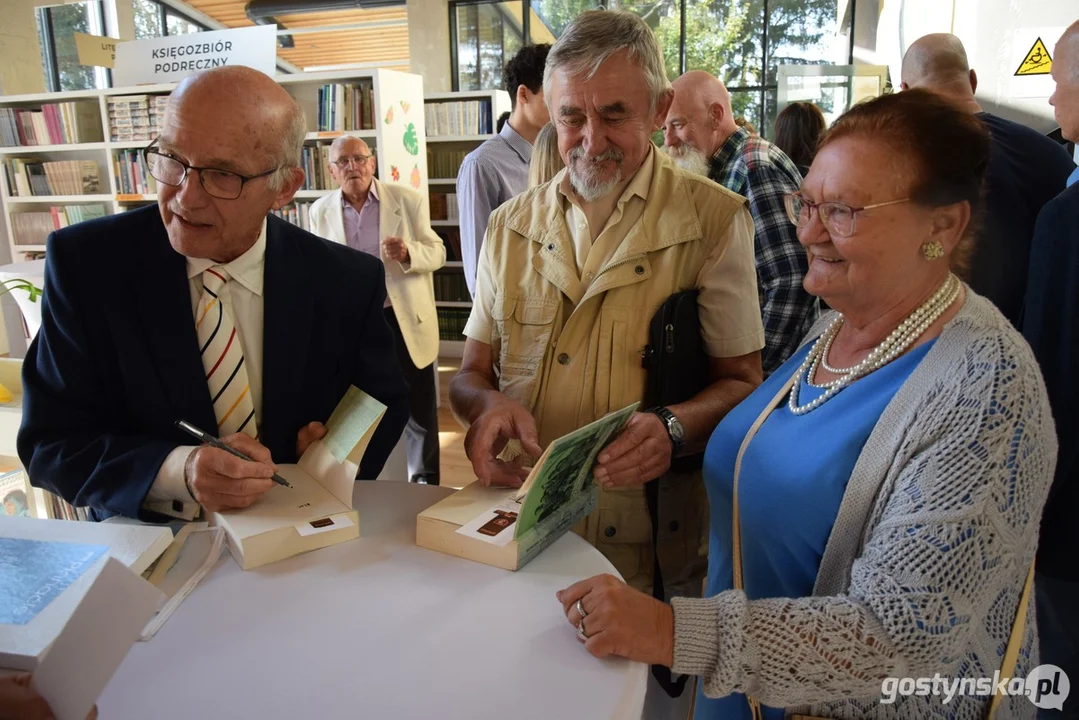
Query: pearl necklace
897, 343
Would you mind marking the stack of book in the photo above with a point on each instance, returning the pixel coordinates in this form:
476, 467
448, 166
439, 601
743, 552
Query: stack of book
54, 124
450, 285
316, 161
132, 175
346, 107
136, 118
451, 323
26, 177
444, 163
444, 206
460, 117
297, 213
33, 228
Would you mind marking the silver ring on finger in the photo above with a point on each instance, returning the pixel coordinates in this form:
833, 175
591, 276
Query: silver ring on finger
580, 610
580, 631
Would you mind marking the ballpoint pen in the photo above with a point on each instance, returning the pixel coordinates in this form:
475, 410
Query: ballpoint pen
203, 436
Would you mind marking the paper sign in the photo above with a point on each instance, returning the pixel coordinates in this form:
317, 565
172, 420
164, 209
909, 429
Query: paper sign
495, 525
1028, 60
172, 58
86, 653
95, 51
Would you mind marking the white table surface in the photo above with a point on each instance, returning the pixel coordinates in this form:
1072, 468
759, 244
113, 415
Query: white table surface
378, 628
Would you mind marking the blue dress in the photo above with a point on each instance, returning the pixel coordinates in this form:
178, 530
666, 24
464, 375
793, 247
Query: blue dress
794, 474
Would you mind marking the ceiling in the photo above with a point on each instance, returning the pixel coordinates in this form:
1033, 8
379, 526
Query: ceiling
341, 46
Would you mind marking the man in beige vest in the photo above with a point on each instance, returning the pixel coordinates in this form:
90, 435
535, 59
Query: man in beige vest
570, 276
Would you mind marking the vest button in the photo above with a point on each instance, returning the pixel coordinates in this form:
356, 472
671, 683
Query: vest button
639, 270
563, 359
673, 526
609, 531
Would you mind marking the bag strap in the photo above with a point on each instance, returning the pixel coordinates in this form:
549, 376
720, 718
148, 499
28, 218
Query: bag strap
736, 537
1015, 640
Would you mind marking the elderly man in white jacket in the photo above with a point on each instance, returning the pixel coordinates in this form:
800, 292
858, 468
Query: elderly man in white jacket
392, 222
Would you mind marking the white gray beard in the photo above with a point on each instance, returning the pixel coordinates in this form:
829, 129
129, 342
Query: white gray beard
587, 185
688, 158
591, 189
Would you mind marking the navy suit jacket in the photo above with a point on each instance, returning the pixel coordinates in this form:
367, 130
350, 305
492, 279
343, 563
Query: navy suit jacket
116, 360
1051, 326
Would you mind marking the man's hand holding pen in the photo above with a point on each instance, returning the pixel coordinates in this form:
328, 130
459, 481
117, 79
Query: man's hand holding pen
220, 481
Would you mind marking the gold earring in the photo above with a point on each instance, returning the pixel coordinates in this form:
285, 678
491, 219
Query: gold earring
933, 250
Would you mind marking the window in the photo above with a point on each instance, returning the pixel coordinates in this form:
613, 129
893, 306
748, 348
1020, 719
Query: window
56, 27
742, 42
153, 19
488, 35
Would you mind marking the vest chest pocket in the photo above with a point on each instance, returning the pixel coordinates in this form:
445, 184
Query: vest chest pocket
525, 328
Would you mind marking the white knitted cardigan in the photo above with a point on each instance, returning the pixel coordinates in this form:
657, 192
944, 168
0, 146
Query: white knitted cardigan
924, 567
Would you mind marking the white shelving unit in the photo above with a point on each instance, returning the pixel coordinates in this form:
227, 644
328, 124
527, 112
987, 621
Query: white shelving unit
397, 103
495, 102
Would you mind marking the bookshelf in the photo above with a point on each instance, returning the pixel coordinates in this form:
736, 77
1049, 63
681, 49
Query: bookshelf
117, 122
457, 122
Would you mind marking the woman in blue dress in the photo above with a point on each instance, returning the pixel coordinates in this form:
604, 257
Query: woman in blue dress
875, 503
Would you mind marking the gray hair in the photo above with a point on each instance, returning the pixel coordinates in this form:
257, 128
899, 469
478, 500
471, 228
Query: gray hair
291, 147
596, 35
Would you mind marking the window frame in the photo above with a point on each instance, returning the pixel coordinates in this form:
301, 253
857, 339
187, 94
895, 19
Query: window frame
47, 37
761, 89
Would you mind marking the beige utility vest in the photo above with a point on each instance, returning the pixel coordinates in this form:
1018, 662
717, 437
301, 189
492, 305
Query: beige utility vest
571, 358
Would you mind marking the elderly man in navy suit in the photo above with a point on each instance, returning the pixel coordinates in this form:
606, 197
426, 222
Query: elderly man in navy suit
203, 309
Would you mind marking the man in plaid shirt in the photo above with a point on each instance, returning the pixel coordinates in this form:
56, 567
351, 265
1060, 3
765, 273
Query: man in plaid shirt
701, 135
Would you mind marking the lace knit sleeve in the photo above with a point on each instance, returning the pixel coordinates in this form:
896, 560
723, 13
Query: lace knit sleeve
937, 582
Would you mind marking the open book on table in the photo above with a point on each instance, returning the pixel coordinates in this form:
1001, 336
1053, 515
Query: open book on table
508, 527
317, 510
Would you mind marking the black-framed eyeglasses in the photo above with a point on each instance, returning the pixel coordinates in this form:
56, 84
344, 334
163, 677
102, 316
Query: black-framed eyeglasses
358, 160
221, 184
837, 217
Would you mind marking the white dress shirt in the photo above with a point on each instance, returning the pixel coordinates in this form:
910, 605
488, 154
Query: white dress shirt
242, 299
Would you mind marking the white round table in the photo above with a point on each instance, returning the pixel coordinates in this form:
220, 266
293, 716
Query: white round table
378, 628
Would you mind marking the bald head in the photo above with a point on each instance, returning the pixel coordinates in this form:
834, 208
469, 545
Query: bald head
935, 62
700, 115
251, 102
352, 165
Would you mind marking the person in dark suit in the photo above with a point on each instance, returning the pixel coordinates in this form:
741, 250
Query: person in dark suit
204, 309
1051, 326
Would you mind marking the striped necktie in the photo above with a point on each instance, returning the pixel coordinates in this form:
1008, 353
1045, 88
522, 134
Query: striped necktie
223, 358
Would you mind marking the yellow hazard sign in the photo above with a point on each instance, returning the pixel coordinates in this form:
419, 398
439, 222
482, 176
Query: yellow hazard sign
1037, 61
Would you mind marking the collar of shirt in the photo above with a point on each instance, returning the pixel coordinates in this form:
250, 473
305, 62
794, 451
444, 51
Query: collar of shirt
372, 198
246, 269
518, 144
731, 149
1074, 177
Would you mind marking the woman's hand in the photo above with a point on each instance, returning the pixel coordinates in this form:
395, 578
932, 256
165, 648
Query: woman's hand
620, 621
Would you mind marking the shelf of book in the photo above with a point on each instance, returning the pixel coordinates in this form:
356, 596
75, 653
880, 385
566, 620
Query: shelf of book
65, 147
445, 223
442, 181
384, 107
57, 199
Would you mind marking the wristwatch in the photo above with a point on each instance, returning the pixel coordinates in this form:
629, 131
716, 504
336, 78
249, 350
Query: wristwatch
675, 431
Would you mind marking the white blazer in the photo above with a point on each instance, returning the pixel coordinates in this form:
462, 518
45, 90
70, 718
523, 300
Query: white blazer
403, 214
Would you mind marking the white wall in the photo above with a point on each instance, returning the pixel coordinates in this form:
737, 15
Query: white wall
429, 43
997, 35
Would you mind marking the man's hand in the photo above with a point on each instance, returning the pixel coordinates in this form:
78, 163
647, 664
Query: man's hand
308, 434
505, 419
620, 620
395, 249
220, 481
18, 701
641, 452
